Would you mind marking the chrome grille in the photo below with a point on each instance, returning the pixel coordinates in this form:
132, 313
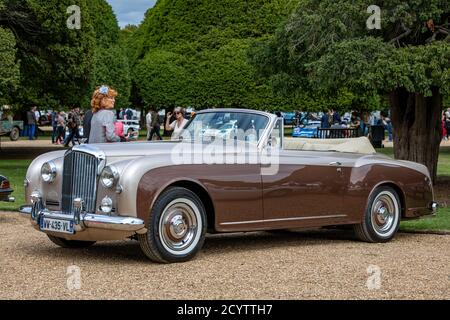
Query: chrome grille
79, 181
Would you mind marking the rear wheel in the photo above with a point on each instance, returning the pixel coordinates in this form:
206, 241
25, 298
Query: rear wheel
382, 217
70, 244
177, 227
15, 134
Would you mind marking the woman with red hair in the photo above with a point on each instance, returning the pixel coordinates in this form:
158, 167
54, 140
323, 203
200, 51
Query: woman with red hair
102, 123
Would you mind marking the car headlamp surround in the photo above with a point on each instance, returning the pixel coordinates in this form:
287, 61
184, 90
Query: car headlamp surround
109, 177
48, 172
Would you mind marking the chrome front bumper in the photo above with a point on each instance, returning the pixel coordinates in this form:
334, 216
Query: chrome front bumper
82, 221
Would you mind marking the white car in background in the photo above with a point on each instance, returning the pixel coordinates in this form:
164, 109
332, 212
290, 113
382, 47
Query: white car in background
131, 127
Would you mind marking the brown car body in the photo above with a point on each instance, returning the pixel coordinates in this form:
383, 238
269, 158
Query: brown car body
310, 188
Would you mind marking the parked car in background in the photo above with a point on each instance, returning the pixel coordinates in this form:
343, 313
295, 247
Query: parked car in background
288, 118
46, 118
103, 192
9, 127
5, 190
131, 128
310, 130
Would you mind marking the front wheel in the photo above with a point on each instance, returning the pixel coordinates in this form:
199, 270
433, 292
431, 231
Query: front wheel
176, 228
70, 244
382, 217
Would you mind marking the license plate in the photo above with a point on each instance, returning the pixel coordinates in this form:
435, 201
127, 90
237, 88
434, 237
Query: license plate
56, 225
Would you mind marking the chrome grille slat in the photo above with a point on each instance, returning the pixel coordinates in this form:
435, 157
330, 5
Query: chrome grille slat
79, 181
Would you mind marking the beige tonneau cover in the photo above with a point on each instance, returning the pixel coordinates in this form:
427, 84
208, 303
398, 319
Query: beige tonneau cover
355, 145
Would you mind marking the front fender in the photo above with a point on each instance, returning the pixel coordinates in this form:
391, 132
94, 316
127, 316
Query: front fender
33, 176
132, 174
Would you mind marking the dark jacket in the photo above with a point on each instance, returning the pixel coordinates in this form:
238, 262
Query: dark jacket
31, 118
155, 120
87, 125
325, 121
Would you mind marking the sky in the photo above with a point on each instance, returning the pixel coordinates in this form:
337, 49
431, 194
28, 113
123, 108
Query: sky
130, 11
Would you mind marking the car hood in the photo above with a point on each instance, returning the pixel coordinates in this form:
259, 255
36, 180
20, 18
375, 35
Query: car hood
129, 150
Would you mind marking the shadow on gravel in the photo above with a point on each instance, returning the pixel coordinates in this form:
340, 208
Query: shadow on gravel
276, 239
101, 253
215, 245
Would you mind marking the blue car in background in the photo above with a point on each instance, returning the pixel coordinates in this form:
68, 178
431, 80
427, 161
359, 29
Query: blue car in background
289, 118
308, 131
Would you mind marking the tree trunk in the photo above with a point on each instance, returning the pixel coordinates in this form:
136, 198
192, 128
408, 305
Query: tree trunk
417, 123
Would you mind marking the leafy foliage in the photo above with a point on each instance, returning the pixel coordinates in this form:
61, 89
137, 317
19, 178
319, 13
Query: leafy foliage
110, 60
55, 60
325, 46
60, 66
194, 53
9, 72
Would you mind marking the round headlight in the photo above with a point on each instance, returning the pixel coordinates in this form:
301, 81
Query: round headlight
109, 177
107, 205
48, 172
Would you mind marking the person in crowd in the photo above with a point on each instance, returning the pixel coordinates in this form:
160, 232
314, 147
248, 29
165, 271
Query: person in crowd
87, 125
61, 125
355, 122
102, 124
148, 123
336, 117
177, 126
326, 119
37, 115
24, 116
444, 130
365, 120
155, 127
447, 122
31, 121
128, 114
119, 129
54, 125
73, 123
386, 122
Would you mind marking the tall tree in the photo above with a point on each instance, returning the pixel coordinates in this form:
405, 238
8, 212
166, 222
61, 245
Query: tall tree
55, 59
110, 64
9, 70
194, 53
327, 45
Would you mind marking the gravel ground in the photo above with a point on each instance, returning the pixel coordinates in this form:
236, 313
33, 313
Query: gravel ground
296, 265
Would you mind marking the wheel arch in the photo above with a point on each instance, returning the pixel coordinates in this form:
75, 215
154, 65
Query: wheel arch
397, 189
201, 192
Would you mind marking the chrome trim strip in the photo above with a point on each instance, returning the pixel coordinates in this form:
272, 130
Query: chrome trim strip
26, 210
286, 219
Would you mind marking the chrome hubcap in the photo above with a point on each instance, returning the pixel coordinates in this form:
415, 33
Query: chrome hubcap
179, 226
384, 212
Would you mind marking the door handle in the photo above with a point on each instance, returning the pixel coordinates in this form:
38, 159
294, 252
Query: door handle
335, 163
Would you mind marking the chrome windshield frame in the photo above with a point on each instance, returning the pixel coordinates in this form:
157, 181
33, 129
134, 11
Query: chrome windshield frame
272, 119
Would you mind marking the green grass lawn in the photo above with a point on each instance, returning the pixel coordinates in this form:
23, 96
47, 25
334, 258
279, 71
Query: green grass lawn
441, 222
15, 170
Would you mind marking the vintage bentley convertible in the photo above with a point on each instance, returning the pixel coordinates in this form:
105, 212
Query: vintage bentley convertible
168, 195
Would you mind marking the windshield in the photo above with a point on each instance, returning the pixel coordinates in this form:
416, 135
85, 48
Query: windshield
226, 125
